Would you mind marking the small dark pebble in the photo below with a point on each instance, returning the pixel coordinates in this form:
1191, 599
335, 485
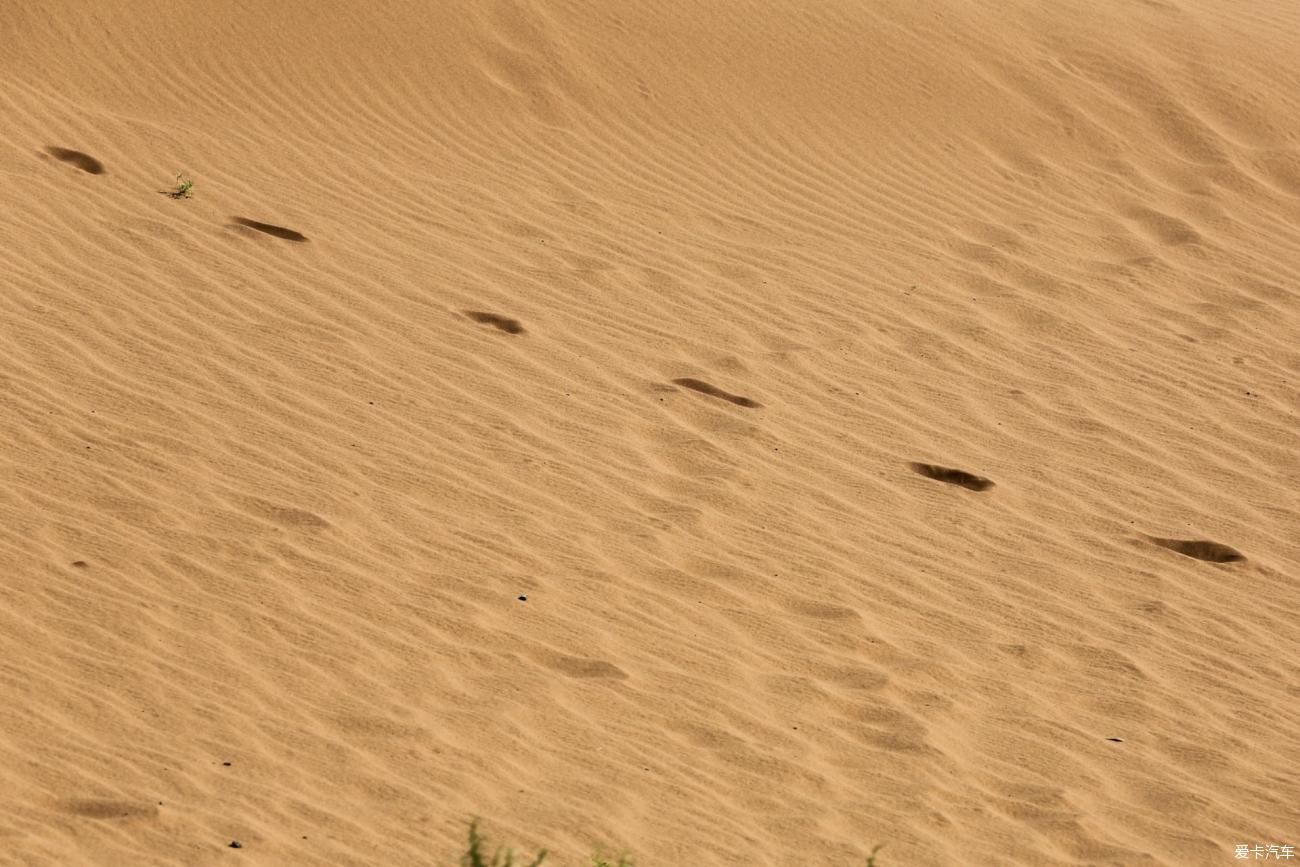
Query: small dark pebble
1116, 740
225, 764
523, 598
235, 844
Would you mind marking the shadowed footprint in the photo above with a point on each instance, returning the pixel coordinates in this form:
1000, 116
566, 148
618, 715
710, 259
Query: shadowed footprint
1200, 549
501, 323
284, 516
713, 391
83, 161
269, 229
822, 611
952, 477
581, 667
102, 808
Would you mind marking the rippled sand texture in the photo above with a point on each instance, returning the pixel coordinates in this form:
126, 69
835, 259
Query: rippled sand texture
738, 433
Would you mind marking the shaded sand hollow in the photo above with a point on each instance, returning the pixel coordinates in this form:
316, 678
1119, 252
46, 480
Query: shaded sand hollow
735, 433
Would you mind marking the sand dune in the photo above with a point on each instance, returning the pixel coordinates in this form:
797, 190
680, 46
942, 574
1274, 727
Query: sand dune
734, 433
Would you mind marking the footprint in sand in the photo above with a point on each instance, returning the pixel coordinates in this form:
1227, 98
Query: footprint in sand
270, 229
582, 667
83, 161
961, 478
501, 323
713, 391
1200, 549
104, 808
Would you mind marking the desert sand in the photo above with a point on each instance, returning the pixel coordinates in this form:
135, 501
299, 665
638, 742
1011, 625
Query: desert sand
728, 433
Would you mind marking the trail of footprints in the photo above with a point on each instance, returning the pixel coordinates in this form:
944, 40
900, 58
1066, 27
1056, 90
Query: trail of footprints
1198, 549
580, 668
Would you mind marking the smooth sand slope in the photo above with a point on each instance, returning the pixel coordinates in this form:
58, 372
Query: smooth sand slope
738, 433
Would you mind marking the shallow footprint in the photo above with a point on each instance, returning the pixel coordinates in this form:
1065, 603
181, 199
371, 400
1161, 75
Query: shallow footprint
284, 516
713, 391
83, 161
103, 808
501, 323
1200, 549
582, 667
270, 229
950, 476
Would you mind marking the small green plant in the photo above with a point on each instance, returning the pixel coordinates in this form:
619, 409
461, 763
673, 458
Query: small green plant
184, 186
477, 857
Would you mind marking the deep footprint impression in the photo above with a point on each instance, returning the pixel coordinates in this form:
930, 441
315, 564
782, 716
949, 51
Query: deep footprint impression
1200, 549
270, 229
970, 481
501, 323
83, 161
713, 391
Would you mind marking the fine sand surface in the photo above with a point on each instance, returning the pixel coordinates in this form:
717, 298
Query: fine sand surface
737, 433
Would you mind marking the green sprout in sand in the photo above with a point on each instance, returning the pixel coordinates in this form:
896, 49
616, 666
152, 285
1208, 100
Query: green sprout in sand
477, 857
184, 185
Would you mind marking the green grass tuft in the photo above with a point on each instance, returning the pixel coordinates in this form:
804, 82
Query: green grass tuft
184, 187
476, 857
